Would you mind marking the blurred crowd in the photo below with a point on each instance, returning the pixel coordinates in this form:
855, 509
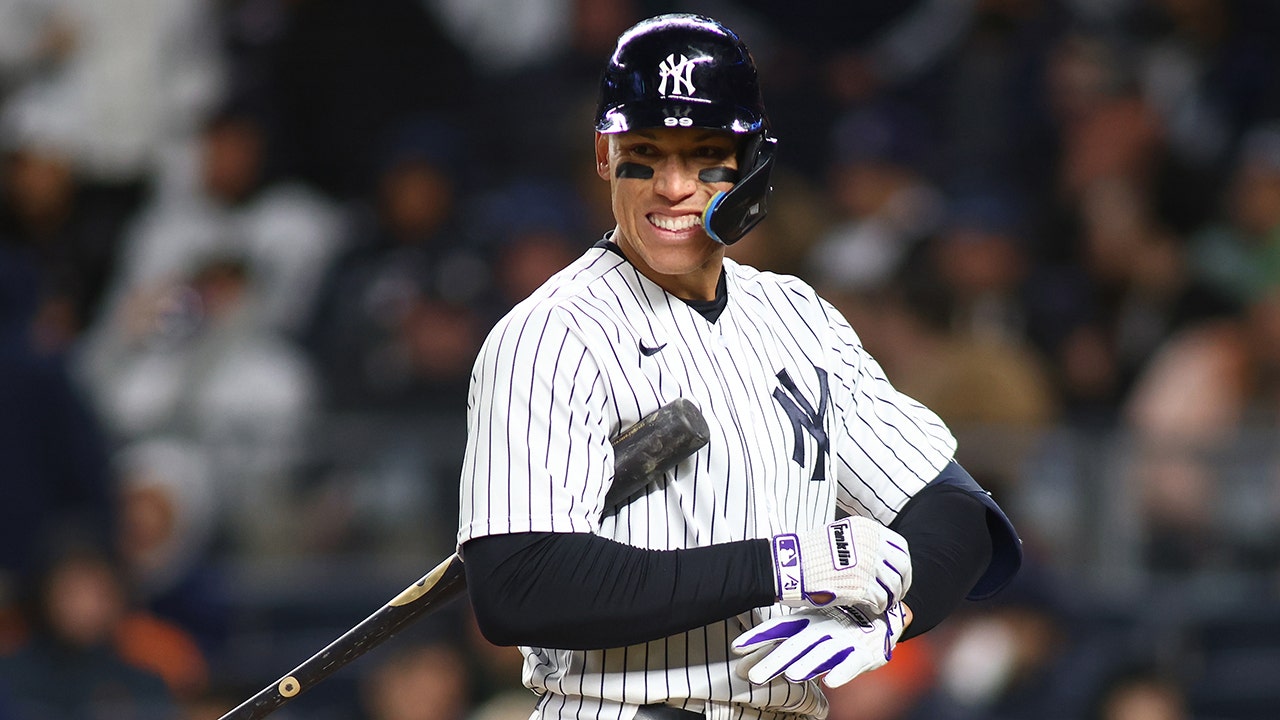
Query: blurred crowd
249, 248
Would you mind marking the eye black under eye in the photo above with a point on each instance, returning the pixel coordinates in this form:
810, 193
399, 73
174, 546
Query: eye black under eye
718, 174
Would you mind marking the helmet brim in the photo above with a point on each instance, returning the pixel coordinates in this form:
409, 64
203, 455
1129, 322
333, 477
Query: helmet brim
673, 112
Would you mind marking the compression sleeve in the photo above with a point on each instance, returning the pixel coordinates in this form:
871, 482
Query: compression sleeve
577, 591
951, 548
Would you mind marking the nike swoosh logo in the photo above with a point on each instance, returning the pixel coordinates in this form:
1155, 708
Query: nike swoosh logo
651, 351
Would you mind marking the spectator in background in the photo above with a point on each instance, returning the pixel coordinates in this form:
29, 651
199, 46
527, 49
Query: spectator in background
394, 328
529, 228
47, 217
53, 447
393, 335
536, 68
1104, 127
1239, 253
112, 86
422, 679
169, 512
984, 100
1194, 335
967, 291
982, 255
222, 199
1209, 70
1209, 379
110, 89
1141, 692
824, 59
1112, 279
1018, 656
1143, 290
885, 207
83, 659
196, 360
1199, 472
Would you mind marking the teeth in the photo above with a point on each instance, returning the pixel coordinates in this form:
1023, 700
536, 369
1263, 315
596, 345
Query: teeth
684, 222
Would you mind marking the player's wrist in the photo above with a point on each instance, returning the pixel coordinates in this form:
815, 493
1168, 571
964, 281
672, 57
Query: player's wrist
788, 570
854, 561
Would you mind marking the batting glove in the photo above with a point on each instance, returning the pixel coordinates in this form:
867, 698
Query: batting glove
854, 561
836, 643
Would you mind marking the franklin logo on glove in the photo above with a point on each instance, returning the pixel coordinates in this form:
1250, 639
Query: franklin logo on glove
841, 549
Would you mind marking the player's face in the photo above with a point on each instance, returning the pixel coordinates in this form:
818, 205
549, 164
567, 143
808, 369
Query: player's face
659, 191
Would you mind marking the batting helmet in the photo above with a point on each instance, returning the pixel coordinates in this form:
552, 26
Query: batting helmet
682, 70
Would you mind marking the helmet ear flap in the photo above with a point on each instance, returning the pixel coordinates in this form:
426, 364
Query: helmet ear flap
733, 213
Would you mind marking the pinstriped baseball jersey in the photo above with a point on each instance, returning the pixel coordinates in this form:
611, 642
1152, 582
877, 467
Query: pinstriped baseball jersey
802, 421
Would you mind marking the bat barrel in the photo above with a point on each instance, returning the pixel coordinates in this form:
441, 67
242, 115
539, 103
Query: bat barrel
652, 446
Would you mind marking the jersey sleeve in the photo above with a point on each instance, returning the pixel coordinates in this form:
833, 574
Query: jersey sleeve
886, 446
538, 456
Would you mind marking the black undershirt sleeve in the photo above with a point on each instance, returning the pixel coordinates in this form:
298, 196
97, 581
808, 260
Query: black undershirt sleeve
580, 591
951, 547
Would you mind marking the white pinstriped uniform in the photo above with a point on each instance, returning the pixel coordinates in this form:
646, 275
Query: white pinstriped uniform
564, 372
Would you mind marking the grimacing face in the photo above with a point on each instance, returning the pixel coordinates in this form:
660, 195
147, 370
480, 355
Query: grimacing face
658, 199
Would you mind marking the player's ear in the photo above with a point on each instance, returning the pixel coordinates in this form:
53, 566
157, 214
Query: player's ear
602, 156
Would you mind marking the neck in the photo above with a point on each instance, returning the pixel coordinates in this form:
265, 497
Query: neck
689, 279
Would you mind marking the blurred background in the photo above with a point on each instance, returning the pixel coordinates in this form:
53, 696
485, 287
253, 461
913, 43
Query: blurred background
248, 249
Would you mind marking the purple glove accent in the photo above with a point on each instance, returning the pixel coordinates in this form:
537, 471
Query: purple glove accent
890, 631
780, 631
836, 644
804, 651
786, 565
831, 662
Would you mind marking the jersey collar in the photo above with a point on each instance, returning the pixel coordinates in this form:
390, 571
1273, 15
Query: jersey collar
709, 309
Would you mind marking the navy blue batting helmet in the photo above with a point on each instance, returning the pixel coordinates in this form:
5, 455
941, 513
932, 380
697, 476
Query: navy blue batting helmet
683, 70
680, 70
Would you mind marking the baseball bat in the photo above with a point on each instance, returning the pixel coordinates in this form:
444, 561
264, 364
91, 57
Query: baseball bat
642, 452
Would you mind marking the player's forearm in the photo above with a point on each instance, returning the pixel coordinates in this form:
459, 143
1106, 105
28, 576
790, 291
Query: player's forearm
580, 591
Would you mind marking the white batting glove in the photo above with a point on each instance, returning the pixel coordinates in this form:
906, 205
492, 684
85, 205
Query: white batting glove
854, 561
836, 643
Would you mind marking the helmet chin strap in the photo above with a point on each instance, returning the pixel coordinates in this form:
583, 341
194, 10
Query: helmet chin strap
733, 213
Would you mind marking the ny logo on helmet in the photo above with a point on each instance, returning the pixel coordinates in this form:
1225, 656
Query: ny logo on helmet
679, 72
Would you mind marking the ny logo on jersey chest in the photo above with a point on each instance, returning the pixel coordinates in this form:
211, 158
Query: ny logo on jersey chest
805, 419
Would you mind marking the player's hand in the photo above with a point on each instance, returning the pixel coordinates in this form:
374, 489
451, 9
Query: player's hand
854, 561
836, 643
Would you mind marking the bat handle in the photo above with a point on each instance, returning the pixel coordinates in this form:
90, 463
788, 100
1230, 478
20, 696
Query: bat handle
447, 581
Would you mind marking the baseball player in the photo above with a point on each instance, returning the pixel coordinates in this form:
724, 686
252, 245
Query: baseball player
825, 521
